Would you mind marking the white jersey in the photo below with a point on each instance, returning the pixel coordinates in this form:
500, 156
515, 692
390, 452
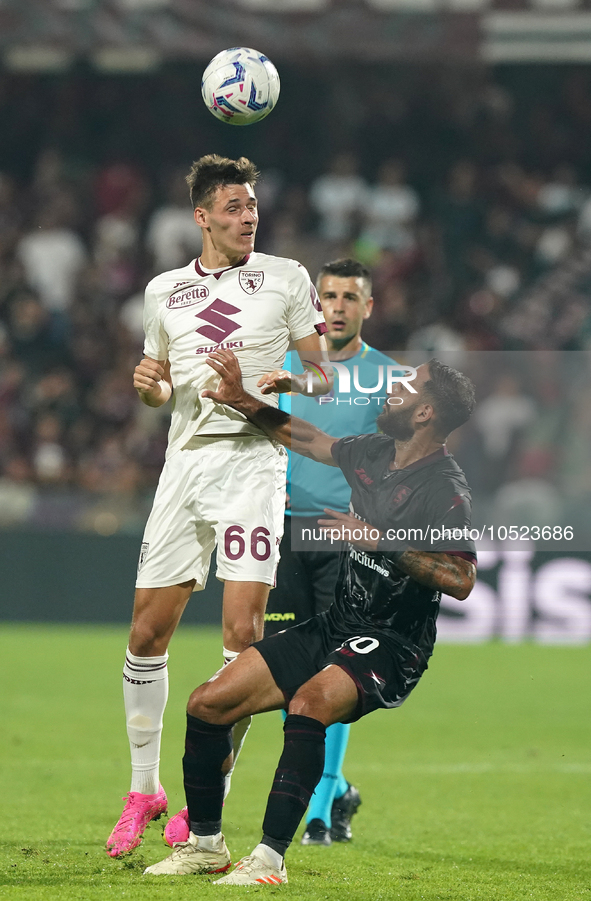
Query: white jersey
255, 309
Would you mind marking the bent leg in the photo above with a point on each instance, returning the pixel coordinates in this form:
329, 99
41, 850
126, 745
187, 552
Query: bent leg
328, 697
242, 688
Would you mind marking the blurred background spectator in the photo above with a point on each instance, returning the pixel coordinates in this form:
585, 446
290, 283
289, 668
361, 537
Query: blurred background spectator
469, 198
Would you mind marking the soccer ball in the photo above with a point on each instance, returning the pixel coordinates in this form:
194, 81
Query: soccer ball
240, 86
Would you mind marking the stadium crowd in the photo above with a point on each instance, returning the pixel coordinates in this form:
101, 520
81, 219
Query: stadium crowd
476, 225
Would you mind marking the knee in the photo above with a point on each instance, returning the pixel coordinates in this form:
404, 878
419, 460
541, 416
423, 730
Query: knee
206, 704
313, 701
241, 633
305, 704
148, 638
144, 641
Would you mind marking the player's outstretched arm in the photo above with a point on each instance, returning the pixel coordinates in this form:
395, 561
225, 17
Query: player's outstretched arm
318, 375
297, 434
151, 379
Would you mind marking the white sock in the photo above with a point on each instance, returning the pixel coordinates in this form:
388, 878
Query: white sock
209, 842
238, 731
229, 656
145, 692
271, 856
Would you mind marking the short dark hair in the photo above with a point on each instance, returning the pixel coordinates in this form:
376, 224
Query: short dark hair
212, 171
452, 393
346, 268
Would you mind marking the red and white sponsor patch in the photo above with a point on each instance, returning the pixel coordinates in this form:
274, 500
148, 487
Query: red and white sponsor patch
401, 495
250, 281
187, 297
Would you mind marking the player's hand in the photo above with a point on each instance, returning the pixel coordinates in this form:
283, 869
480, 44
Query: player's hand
347, 528
147, 375
230, 389
148, 380
277, 382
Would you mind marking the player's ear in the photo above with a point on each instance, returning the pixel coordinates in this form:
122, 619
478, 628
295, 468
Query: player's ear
425, 412
368, 308
201, 216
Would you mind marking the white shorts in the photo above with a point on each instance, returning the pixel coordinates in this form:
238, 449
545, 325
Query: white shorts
228, 492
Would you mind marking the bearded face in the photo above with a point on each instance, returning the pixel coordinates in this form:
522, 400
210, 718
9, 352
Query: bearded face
396, 422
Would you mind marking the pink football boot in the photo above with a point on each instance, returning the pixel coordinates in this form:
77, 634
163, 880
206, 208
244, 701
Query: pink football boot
177, 828
139, 810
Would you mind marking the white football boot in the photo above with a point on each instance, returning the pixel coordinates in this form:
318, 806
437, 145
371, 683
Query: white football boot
255, 869
187, 858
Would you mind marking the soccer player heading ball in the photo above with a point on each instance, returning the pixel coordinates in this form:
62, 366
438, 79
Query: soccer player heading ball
371, 647
223, 480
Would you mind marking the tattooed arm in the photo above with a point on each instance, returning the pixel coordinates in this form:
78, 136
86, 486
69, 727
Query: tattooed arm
443, 572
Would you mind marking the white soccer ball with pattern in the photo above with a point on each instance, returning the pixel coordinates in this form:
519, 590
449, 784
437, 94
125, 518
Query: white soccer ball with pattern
240, 86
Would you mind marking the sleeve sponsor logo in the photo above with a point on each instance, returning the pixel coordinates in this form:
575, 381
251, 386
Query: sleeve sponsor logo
401, 495
143, 554
250, 281
188, 297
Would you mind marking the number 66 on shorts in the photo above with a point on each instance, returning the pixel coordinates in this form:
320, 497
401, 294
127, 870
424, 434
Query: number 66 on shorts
224, 492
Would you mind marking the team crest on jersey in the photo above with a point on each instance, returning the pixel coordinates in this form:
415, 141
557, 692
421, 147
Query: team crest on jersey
250, 281
188, 297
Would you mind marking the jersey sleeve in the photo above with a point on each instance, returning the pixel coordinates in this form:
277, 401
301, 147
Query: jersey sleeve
346, 453
450, 521
304, 313
156, 341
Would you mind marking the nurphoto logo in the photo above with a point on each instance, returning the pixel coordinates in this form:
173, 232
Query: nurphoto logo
394, 373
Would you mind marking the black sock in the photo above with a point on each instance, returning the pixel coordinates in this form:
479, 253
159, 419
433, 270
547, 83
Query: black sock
299, 771
206, 748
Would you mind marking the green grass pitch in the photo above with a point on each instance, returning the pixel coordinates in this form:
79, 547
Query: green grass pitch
478, 788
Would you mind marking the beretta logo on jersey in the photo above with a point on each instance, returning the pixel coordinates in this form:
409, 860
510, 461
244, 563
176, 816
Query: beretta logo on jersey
187, 297
250, 281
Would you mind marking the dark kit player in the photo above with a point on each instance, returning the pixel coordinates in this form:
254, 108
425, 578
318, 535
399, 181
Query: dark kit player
308, 571
370, 648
